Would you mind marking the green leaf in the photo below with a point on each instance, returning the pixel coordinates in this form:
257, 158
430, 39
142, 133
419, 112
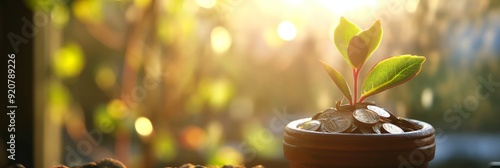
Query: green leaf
343, 34
391, 72
338, 79
363, 44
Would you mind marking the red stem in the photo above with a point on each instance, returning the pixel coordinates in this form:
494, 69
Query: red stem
362, 99
355, 73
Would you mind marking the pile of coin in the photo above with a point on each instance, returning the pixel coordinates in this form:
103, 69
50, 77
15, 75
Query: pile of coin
365, 118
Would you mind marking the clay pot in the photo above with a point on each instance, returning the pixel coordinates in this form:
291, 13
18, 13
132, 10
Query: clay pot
305, 148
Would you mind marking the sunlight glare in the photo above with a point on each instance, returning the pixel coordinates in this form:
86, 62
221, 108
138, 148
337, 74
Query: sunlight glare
287, 31
206, 3
343, 7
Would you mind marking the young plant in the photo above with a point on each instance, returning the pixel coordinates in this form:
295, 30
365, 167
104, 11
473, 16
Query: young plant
356, 46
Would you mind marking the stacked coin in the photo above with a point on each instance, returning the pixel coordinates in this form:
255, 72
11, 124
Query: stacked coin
366, 118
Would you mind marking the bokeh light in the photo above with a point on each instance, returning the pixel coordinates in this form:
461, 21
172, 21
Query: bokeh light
226, 155
211, 74
104, 121
68, 61
117, 109
193, 138
427, 98
143, 126
287, 31
105, 78
165, 146
217, 92
220, 39
88, 10
60, 15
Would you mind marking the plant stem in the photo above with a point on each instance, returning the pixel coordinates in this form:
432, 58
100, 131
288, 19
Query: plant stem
355, 73
362, 99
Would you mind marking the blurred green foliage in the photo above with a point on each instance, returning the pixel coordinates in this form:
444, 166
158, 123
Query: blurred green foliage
215, 70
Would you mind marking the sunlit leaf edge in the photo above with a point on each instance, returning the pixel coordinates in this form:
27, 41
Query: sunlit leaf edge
371, 40
338, 79
387, 85
343, 34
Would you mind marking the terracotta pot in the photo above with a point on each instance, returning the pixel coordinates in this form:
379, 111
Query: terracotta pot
319, 149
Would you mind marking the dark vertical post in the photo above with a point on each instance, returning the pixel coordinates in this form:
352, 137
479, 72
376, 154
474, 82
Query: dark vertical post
16, 118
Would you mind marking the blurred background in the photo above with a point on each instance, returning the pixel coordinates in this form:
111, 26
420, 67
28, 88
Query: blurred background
165, 82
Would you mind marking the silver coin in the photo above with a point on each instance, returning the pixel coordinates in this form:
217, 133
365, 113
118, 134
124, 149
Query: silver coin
376, 128
366, 116
312, 125
380, 111
338, 123
391, 128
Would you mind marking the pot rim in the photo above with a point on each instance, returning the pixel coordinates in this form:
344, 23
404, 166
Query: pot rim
427, 129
